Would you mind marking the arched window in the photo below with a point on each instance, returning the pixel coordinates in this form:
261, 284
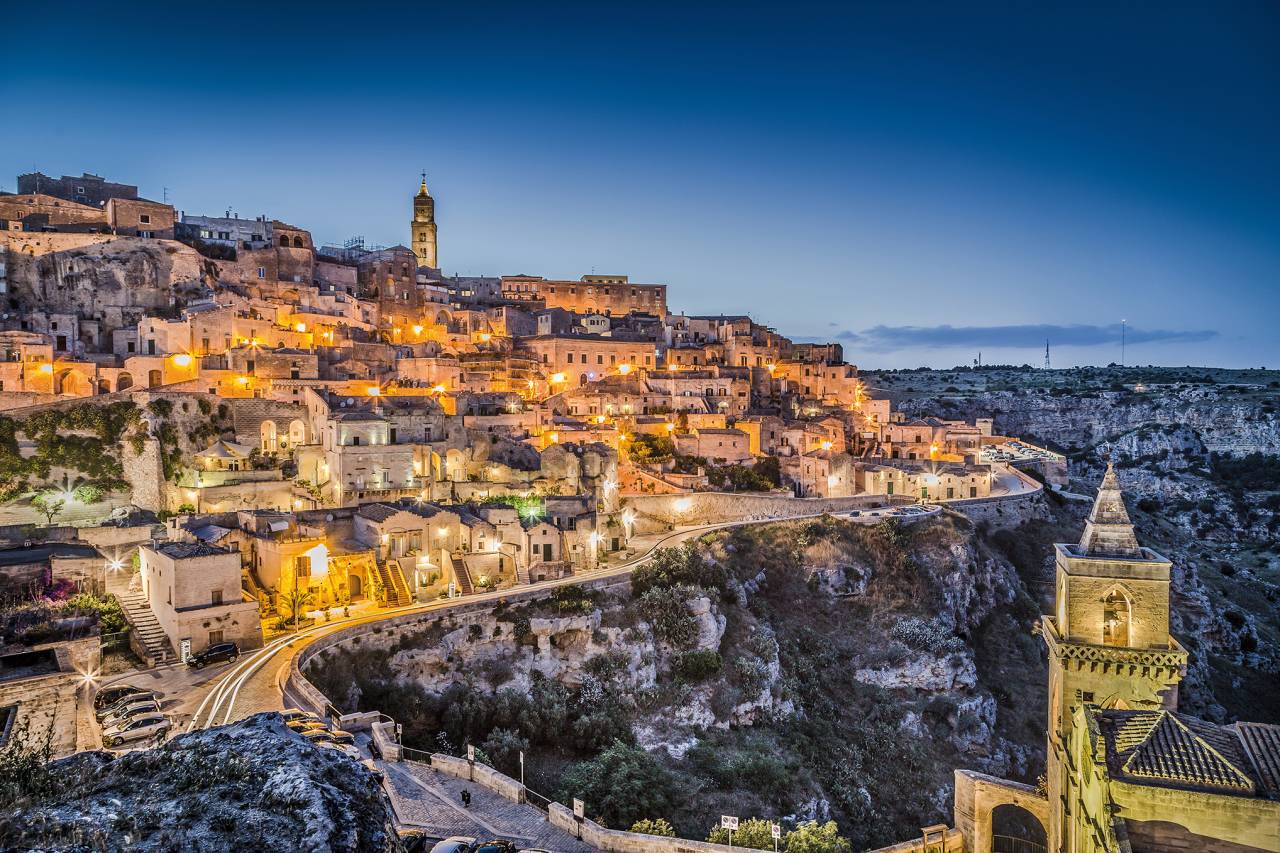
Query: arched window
297, 242
284, 241
1115, 619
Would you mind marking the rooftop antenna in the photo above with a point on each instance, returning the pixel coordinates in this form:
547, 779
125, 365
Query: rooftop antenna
165, 195
1122, 330
1046, 353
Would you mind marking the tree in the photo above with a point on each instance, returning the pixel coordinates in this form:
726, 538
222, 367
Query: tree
621, 785
505, 746
296, 601
658, 826
755, 832
813, 837
49, 504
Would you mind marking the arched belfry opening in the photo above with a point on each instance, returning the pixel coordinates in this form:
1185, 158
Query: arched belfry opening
1116, 617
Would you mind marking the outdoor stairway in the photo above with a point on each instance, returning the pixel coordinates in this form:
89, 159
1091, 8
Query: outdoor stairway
397, 594
402, 594
155, 644
465, 587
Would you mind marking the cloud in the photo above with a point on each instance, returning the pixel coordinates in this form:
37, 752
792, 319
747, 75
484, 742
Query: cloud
886, 338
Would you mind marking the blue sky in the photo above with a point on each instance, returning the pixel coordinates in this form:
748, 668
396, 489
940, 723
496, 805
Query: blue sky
921, 181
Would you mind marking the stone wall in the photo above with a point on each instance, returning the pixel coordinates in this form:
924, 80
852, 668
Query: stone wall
657, 511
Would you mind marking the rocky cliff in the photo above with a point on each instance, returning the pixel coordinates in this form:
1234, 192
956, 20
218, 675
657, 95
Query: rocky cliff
819, 669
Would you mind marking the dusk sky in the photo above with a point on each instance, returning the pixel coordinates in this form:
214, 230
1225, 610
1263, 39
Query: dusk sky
920, 181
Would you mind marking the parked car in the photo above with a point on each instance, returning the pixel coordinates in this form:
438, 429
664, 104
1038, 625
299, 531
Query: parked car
108, 696
146, 706
349, 751
305, 725
292, 714
454, 844
131, 698
414, 840
497, 845
142, 727
217, 653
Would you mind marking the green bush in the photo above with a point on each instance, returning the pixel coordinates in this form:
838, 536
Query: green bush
698, 665
667, 612
813, 837
620, 786
754, 832
675, 566
654, 827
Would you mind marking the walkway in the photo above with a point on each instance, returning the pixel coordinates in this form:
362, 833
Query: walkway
426, 799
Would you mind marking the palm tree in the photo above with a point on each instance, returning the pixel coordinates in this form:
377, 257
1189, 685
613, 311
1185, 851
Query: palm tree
296, 601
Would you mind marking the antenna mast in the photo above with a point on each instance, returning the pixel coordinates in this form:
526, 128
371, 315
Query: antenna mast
1122, 330
1046, 353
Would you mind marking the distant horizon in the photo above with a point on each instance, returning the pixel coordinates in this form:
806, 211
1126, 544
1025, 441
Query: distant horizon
916, 184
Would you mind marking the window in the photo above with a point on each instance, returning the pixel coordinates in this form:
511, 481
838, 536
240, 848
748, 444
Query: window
215, 637
145, 218
215, 598
262, 272
79, 190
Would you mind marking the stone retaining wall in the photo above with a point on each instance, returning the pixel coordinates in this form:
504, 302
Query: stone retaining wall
719, 507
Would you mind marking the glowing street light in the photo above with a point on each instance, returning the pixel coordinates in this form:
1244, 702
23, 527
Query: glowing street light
301, 327
485, 337
624, 369
373, 391
417, 330
46, 368
242, 380
183, 360
439, 389
826, 445
557, 378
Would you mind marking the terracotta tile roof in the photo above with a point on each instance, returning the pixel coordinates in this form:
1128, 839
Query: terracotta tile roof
1161, 747
1262, 743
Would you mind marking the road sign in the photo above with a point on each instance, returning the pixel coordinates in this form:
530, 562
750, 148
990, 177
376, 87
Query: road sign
471, 753
579, 809
775, 831
728, 822
184, 650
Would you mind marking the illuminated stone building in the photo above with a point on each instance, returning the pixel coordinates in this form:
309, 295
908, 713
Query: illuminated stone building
424, 227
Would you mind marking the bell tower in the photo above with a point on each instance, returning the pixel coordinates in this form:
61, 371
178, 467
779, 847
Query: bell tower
1108, 639
423, 227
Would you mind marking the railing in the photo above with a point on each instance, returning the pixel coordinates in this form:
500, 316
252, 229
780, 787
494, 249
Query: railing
118, 641
415, 754
1010, 844
536, 800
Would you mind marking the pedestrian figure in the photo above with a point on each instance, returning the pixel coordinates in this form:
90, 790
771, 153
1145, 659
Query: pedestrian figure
466, 798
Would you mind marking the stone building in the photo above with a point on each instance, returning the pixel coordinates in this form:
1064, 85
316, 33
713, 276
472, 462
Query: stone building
610, 295
423, 227
194, 591
1128, 773
86, 189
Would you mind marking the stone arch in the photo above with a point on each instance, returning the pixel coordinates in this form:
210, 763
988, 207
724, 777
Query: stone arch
1014, 829
442, 318
297, 432
154, 378
355, 585
1117, 617
64, 382
297, 242
284, 241
267, 434
436, 467
977, 799
124, 380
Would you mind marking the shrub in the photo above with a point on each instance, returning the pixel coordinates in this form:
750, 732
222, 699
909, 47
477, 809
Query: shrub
622, 785
755, 832
698, 665
665, 609
813, 837
654, 827
675, 566
926, 636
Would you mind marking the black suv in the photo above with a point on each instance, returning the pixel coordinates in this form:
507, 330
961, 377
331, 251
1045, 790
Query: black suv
214, 654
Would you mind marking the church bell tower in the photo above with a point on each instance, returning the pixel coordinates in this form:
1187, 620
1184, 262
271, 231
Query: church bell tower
423, 227
1109, 642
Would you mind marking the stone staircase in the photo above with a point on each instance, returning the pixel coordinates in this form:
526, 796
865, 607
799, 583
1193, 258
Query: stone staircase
393, 584
148, 638
465, 586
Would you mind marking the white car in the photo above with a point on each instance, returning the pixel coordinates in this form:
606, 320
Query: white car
143, 727
129, 712
350, 751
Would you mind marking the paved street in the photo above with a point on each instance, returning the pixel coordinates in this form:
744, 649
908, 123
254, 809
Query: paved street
429, 800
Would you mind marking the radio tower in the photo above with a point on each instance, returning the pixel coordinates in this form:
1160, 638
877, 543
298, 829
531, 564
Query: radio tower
1046, 354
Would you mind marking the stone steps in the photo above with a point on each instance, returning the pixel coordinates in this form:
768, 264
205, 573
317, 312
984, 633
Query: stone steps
155, 643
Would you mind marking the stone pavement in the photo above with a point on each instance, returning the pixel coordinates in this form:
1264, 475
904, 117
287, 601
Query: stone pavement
427, 799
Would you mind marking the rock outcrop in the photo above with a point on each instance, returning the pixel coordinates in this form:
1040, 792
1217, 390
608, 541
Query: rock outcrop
231, 788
